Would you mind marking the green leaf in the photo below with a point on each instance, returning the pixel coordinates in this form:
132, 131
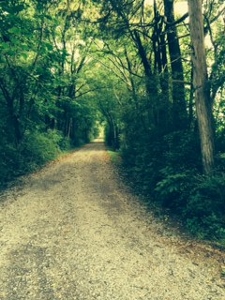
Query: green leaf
15, 30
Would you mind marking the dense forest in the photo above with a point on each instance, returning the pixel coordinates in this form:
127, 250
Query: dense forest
151, 74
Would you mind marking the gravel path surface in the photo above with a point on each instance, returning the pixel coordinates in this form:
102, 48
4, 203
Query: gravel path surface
73, 231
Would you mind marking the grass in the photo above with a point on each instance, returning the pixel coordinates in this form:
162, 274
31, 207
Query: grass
115, 157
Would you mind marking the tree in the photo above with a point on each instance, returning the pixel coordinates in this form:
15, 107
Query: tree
177, 72
43, 50
201, 85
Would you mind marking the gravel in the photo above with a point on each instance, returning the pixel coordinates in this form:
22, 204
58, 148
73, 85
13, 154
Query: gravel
74, 231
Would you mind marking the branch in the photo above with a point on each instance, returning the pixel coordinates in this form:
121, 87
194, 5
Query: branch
118, 63
91, 90
218, 15
185, 16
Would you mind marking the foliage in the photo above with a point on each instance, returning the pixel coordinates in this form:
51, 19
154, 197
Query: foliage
36, 149
115, 157
205, 209
173, 189
197, 200
169, 173
42, 88
39, 148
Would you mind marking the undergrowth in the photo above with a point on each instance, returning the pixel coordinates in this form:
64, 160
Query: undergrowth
168, 174
34, 151
115, 157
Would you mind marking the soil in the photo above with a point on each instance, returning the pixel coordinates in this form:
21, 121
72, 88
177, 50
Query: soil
75, 231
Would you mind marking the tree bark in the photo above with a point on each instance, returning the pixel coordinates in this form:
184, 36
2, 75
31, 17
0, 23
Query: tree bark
161, 70
178, 91
151, 87
201, 86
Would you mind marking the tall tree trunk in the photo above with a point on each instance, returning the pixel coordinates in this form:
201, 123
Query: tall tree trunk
151, 87
201, 85
178, 91
161, 70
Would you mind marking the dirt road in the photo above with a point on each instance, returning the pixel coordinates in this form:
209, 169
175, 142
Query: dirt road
73, 231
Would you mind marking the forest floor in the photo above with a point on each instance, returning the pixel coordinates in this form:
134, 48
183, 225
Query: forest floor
74, 231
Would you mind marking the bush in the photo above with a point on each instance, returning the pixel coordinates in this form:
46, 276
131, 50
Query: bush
40, 148
9, 163
205, 209
35, 150
167, 169
173, 190
182, 151
198, 200
65, 144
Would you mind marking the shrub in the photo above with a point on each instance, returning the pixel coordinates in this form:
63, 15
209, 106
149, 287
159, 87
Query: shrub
9, 163
64, 144
182, 150
174, 188
198, 200
40, 148
205, 209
